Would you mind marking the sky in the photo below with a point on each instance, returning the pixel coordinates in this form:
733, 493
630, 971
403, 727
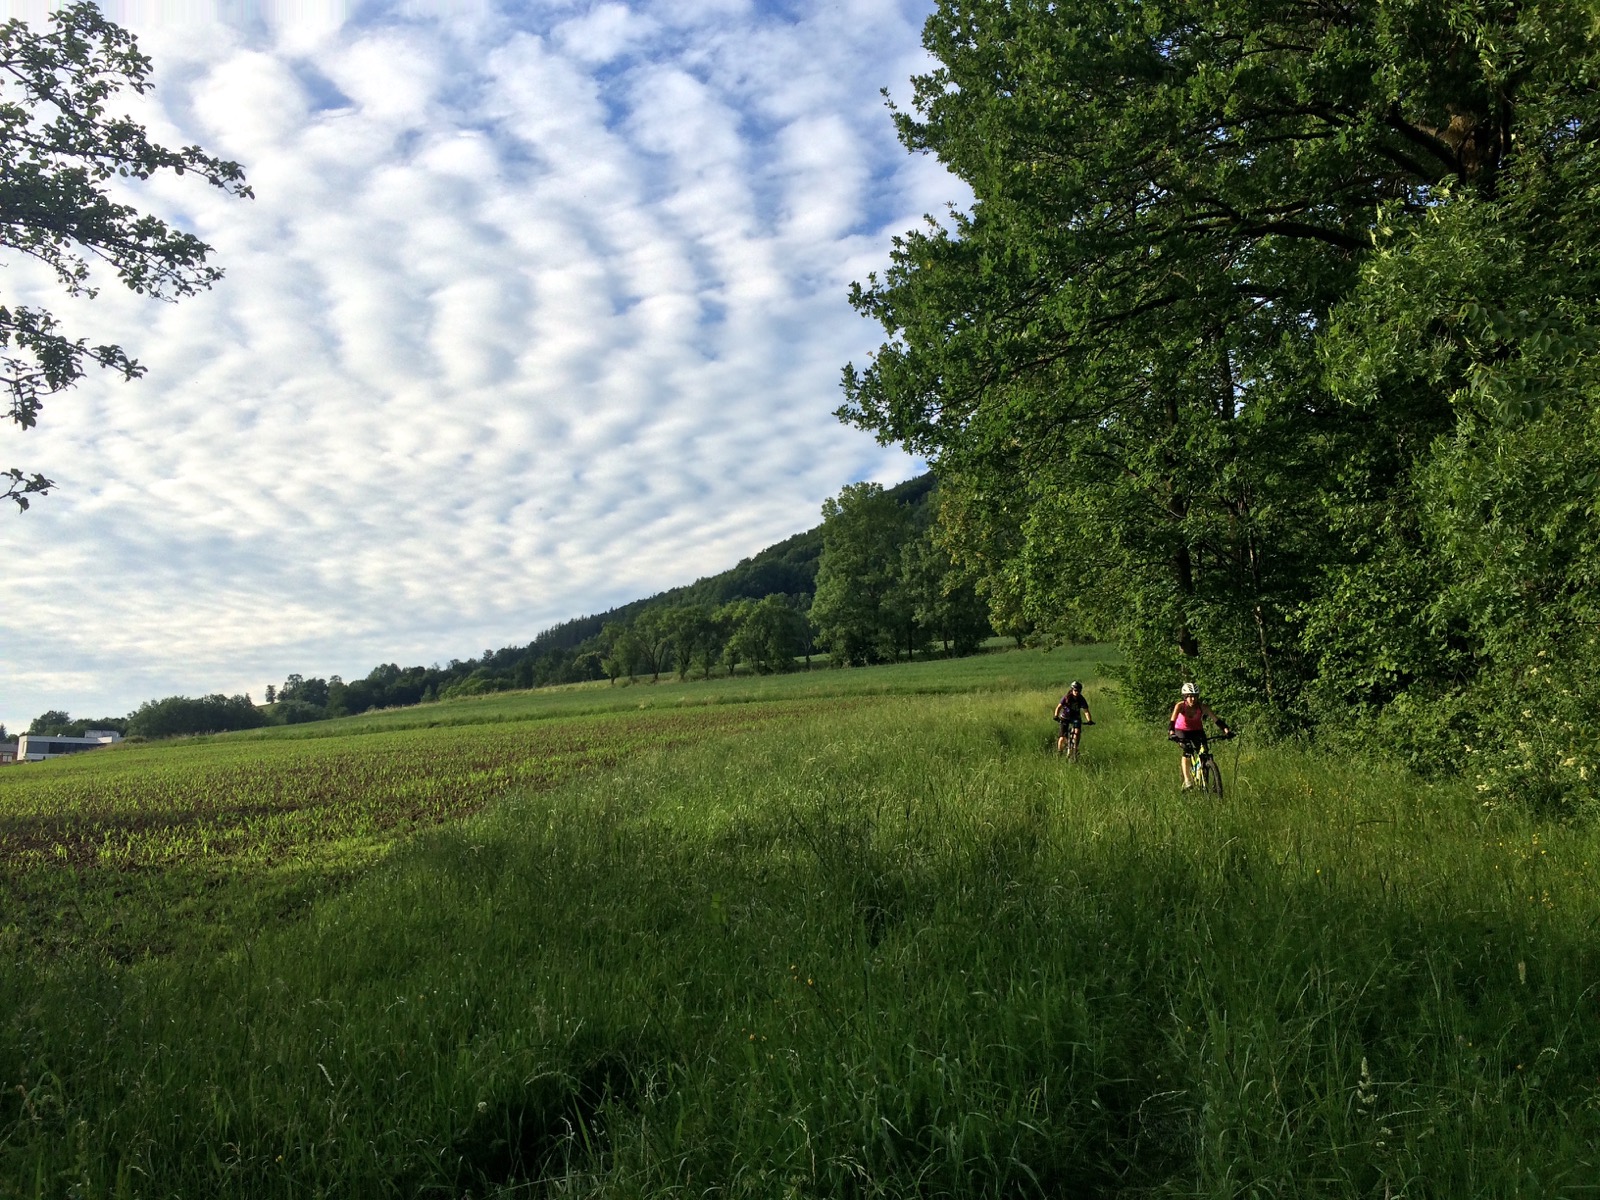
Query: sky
539, 307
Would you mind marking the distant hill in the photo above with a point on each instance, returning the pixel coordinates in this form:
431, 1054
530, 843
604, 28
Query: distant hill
570, 652
786, 568
573, 650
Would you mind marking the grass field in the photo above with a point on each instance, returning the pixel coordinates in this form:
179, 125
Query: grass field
140, 849
852, 933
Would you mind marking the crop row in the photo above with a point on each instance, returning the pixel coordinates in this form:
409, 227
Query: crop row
143, 851
260, 803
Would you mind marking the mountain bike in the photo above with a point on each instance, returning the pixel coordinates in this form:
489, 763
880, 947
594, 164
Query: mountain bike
1074, 732
1203, 771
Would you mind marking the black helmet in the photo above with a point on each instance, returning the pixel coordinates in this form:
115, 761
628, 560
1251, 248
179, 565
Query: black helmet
1076, 686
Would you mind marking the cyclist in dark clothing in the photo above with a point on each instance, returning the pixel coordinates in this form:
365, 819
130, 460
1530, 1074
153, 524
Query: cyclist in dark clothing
1071, 714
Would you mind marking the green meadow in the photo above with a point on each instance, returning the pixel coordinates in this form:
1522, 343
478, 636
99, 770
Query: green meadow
845, 933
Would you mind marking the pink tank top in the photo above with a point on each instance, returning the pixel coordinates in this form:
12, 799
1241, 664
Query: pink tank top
1189, 722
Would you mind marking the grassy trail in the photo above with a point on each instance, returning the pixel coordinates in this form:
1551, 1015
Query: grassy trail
882, 945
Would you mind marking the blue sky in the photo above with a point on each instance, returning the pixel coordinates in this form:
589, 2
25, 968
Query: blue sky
539, 308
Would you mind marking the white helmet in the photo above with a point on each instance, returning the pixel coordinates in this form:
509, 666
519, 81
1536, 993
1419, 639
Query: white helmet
1189, 689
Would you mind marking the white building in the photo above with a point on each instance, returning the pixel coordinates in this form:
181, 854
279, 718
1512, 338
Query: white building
36, 747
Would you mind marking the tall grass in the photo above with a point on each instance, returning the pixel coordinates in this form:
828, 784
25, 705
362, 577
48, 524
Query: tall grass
881, 950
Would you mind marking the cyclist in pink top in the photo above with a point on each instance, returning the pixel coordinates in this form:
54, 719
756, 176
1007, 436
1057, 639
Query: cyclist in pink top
1187, 726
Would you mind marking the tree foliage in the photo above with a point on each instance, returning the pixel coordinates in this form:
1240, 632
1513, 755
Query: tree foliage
58, 723
1250, 291
62, 155
692, 632
769, 636
180, 715
863, 530
886, 584
52, 721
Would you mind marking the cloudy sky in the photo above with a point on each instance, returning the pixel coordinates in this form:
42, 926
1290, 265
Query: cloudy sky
540, 307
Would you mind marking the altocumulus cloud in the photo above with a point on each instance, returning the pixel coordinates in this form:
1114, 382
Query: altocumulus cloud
538, 308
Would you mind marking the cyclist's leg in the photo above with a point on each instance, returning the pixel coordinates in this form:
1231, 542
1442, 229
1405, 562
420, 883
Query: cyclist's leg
1191, 761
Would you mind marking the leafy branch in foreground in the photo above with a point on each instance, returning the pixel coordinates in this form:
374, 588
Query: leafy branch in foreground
60, 152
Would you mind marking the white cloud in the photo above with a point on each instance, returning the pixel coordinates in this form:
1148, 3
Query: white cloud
536, 310
604, 33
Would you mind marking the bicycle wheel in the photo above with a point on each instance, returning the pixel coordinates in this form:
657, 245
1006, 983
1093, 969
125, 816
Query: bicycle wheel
1211, 776
1072, 744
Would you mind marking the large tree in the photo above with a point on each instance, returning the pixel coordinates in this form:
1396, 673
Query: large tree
693, 635
1118, 357
858, 609
942, 599
770, 636
1473, 620
63, 158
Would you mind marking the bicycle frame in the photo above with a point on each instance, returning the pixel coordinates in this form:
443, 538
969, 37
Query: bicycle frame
1200, 763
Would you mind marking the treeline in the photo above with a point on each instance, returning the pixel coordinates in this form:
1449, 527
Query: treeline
161, 718
56, 723
873, 583
868, 585
1268, 347
178, 715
